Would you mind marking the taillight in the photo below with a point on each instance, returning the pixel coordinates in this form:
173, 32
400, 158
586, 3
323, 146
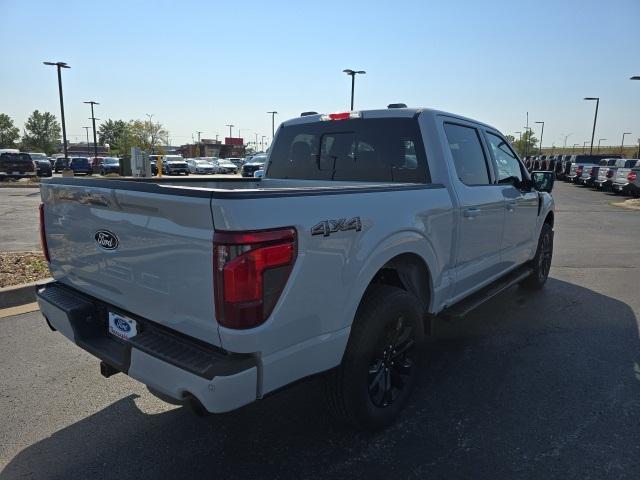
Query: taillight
579, 169
632, 176
251, 270
340, 116
43, 234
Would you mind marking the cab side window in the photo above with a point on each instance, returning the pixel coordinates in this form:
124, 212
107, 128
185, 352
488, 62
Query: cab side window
468, 155
508, 166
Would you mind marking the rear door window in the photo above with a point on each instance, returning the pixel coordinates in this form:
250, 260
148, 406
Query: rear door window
368, 150
468, 156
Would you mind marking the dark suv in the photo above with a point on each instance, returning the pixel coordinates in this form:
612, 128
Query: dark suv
81, 165
16, 165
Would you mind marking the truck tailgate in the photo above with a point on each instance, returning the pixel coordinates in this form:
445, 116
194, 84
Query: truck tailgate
146, 253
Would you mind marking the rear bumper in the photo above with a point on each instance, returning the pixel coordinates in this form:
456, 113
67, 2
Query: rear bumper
173, 364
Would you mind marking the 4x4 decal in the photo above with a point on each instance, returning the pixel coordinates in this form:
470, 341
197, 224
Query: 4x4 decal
327, 227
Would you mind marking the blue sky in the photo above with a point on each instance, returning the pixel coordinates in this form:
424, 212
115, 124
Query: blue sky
201, 65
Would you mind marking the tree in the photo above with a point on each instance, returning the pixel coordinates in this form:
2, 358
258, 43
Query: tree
41, 132
113, 132
147, 135
9, 133
526, 146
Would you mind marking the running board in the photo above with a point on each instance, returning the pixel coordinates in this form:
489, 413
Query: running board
472, 302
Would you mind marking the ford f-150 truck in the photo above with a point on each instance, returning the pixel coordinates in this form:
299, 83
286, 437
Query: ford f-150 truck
366, 227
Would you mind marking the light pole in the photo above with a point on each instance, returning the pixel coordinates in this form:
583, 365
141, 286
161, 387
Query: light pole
527, 137
584, 145
88, 149
565, 139
262, 142
198, 132
622, 142
595, 119
230, 129
93, 120
256, 141
599, 140
273, 116
573, 150
60, 65
352, 74
541, 134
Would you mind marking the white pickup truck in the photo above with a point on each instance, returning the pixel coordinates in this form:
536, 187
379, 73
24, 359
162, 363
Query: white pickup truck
366, 226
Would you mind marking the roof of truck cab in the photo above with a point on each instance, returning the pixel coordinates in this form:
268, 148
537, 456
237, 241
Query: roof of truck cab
389, 113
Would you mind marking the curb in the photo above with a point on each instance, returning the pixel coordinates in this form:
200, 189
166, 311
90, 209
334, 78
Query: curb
17, 295
19, 185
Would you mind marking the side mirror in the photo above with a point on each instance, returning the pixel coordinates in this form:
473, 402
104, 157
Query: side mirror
543, 181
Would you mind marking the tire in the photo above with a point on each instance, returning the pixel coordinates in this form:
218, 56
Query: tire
356, 390
541, 263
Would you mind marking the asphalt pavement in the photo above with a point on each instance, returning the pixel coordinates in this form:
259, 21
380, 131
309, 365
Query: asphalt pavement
542, 385
19, 219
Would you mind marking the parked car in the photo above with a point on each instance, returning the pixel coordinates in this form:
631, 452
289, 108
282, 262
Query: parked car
200, 166
574, 168
330, 266
80, 165
238, 162
590, 173
16, 165
605, 175
109, 165
60, 163
43, 168
256, 163
560, 166
171, 164
625, 179
225, 166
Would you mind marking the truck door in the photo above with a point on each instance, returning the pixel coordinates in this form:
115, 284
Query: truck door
481, 208
521, 206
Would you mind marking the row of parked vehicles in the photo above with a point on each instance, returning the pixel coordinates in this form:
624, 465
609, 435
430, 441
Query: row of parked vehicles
604, 172
14, 163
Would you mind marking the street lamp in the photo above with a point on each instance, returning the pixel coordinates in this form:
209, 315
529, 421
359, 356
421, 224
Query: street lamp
595, 118
88, 149
262, 142
584, 145
230, 129
60, 65
573, 150
352, 74
565, 139
273, 114
599, 140
622, 143
93, 120
541, 134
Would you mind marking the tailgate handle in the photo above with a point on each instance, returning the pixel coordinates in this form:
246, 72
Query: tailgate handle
472, 212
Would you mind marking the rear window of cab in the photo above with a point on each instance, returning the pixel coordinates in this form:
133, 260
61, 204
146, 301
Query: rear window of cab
366, 150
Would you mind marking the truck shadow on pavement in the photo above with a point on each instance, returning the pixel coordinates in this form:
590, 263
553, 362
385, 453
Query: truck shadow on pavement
529, 386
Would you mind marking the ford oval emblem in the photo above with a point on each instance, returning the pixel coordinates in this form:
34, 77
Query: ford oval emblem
122, 325
107, 240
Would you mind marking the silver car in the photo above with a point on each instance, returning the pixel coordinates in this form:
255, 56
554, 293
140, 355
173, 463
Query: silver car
200, 166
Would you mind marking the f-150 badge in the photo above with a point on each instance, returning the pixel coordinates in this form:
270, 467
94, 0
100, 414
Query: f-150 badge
327, 227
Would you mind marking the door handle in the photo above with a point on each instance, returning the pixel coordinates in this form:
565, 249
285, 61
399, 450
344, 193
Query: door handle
472, 212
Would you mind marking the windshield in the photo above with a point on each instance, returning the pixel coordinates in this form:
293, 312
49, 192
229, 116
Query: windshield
370, 150
111, 161
38, 156
80, 161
